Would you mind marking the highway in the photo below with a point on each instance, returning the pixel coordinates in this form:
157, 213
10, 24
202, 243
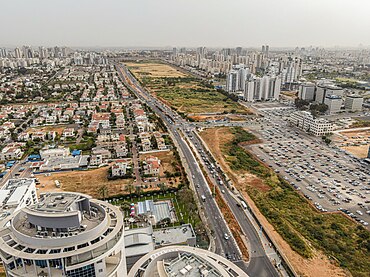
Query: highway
259, 264
219, 227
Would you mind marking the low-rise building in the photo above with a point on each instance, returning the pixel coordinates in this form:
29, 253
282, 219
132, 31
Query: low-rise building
151, 166
13, 151
121, 168
14, 195
305, 121
53, 152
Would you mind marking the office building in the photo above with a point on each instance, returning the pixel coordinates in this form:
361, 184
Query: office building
334, 103
322, 91
184, 261
353, 103
306, 91
64, 234
305, 121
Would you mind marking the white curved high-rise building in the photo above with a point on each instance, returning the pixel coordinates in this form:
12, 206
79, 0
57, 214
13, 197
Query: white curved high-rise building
181, 260
65, 234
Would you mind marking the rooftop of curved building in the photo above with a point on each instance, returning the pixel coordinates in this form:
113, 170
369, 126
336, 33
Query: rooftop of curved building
53, 233
184, 261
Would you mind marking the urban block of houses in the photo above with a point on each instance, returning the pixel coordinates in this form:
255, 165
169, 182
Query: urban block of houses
13, 151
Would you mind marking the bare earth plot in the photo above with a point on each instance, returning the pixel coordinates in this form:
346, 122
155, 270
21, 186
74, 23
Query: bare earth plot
318, 264
87, 182
154, 70
355, 142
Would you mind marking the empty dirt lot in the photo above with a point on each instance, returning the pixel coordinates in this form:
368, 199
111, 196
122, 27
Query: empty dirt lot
354, 142
88, 182
154, 70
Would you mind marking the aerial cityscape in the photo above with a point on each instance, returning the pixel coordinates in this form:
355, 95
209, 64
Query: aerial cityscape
185, 138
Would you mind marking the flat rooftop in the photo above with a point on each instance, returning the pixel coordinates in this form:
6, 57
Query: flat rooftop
190, 266
15, 183
55, 202
175, 235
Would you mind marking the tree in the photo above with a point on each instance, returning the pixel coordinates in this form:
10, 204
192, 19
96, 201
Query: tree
129, 188
103, 191
301, 104
138, 190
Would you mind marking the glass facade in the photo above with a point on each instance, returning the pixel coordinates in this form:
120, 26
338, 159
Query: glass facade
85, 271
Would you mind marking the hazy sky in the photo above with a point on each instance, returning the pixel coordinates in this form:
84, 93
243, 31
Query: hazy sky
185, 22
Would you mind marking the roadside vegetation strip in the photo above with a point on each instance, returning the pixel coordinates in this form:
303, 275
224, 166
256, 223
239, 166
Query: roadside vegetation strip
226, 211
303, 227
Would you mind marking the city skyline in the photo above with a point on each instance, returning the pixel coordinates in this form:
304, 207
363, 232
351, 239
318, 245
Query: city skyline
165, 24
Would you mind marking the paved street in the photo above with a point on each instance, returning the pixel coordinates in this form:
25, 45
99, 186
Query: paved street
259, 264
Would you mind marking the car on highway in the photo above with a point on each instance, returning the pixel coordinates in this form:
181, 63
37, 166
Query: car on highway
226, 236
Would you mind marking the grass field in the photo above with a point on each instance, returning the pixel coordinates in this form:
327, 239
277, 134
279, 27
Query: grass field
184, 93
305, 230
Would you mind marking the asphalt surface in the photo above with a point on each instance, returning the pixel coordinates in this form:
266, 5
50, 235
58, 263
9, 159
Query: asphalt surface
259, 264
329, 177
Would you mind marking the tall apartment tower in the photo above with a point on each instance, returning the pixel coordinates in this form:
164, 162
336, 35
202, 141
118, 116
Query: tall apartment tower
17, 53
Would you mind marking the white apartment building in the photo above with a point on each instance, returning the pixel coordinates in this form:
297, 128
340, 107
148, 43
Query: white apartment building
47, 153
353, 103
305, 121
265, 88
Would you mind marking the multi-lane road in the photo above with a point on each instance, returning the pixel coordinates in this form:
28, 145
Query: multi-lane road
259, 264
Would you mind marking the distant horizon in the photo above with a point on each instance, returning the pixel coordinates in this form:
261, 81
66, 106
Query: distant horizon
148, 47
161, 23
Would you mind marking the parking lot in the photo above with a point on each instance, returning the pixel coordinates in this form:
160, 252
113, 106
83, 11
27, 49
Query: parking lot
328, 176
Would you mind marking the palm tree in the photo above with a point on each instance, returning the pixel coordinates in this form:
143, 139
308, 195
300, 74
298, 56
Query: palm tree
103, 191
138, 190
129, 188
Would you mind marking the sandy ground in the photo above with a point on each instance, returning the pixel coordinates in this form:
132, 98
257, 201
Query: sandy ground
59, 129
83, 181
317, 266
357, 143
218, 117
154, 70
